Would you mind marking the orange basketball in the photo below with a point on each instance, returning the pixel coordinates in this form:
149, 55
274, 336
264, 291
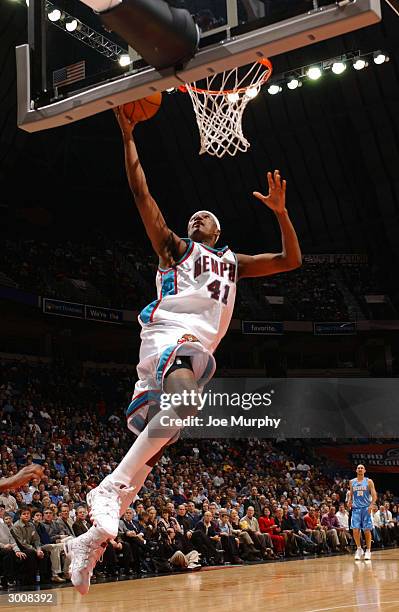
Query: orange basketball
143, 109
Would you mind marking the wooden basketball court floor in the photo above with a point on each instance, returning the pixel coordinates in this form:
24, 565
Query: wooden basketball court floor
310, 585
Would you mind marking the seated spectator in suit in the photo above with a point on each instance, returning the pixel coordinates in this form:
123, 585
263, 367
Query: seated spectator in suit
81, 525
57, 556
64, 521
132, 533
205, 526
192, 514
56, 532
267, 525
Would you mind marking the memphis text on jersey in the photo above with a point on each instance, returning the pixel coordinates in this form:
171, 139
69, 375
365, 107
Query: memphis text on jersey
206, 263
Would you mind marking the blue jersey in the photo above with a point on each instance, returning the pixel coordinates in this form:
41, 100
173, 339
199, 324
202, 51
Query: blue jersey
361, 493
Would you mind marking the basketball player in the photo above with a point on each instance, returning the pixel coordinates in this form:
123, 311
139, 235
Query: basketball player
24, 475
362, 497
196, 283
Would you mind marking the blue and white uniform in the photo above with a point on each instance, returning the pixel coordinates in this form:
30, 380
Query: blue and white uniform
190, 316
361, 518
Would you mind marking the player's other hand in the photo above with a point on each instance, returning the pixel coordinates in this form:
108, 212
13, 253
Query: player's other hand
126, 125
275, 199
23, 476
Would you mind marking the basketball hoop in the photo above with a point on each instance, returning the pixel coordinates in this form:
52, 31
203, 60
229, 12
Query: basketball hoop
220, 105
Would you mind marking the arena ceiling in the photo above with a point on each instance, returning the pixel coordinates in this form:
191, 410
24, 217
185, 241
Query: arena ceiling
336, 141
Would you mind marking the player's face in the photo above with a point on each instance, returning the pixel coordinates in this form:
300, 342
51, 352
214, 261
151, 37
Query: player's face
202, 227
360, 470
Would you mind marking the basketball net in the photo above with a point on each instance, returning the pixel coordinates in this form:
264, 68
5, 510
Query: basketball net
219, 109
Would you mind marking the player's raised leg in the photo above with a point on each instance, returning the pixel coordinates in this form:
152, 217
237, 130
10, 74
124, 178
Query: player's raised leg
110, 499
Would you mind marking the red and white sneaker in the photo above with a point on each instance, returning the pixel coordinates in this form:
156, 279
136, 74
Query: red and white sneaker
105, 503
83, 552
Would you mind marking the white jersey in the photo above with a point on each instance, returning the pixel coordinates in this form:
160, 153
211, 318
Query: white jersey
198, 293
189, 318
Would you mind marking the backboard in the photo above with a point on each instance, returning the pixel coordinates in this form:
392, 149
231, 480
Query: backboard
70, 67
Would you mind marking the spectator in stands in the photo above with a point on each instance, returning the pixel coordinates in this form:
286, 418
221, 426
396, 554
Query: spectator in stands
316, 531
133, 534
283, 520
57, 557
81, 525
55, 495
248, 552
192, 514
253, 500
229, 542
8, 501
304, 542
267, 525
14, 563
262, 541
205, 525
65, 523
335, 533
384, 525
171, 551
28, 540
343, 519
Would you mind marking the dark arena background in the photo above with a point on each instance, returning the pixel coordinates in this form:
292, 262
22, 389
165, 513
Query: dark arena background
76, 268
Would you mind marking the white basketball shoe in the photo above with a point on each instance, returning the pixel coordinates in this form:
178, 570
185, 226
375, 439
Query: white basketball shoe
105, 503
367, 555
359, 554
83, 552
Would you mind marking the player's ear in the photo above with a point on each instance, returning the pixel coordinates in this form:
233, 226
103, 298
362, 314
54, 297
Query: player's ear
217, 234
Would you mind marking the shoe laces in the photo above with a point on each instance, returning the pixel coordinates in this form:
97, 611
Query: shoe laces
86, 555
103, 502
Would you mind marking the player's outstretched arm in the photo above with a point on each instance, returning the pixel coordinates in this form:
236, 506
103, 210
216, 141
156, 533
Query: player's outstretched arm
166, 243
22, 477
290, 257
373, 493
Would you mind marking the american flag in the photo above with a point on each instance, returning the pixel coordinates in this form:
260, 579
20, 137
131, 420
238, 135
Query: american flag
69, 74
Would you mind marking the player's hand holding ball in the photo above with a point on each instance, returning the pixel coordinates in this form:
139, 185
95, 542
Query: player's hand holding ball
127, 124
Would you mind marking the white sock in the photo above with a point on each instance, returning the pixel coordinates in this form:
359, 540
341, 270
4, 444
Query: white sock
144, 448
94, 534
137, 482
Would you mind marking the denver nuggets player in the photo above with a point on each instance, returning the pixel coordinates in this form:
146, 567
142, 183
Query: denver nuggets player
362, 497
196, 285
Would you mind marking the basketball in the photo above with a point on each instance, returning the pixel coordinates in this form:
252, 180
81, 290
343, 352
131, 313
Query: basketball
141, 110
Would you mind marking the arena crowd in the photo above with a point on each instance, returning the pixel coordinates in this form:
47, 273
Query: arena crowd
207, 502
121, 274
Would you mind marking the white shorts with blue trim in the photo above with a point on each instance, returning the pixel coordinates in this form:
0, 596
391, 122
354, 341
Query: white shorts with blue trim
160, 343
